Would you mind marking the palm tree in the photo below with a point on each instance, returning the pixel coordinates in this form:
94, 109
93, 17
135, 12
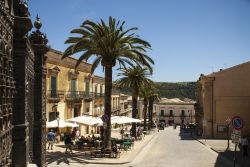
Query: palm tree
144, 93
153, 96
134, 78
110, 44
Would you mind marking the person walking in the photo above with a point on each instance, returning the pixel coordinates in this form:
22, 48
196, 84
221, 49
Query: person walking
51, 138
68, 143
244, 143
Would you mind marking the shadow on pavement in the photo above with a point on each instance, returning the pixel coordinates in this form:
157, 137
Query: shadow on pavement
229, 155
61, 157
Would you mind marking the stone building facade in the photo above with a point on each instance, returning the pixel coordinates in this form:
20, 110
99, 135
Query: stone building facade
221, 96
174, 111
72, 92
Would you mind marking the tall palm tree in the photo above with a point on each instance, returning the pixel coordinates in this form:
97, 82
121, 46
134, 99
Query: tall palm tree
153, 96
110, 44
134, 78
145, 93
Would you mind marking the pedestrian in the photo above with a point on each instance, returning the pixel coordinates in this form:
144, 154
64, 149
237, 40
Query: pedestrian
51, 138
244, 143
68, 143
77, 134
73, 134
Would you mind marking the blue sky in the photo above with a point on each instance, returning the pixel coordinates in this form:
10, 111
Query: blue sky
188, 37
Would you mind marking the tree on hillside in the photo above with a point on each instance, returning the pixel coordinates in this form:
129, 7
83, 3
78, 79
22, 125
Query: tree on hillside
110, 43
134, 78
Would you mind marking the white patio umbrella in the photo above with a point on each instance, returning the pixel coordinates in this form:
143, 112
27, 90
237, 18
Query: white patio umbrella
86, 120
94, 121
124, 120
62, 124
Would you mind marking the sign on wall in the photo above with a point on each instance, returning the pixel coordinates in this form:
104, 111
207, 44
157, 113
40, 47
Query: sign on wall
237, 123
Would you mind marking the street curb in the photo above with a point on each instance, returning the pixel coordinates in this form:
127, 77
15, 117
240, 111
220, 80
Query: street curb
229, 161
125, 162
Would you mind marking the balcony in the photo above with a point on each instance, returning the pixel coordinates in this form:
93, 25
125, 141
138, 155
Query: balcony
115, 109
54, 96
99, 95
74, 96
88, 96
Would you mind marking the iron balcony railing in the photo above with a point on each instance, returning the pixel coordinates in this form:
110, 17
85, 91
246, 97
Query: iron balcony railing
167, 115
182, 115
99, 95
55, 94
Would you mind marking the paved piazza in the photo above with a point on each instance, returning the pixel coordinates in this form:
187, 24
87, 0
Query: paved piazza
169, 148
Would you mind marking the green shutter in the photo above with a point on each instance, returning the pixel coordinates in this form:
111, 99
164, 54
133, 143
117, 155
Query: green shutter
53, 86
73, 87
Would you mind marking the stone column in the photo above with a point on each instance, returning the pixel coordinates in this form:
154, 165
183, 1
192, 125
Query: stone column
39, 44
22, 54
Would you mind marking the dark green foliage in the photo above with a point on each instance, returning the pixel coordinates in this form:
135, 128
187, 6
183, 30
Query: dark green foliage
173, 89
177, 90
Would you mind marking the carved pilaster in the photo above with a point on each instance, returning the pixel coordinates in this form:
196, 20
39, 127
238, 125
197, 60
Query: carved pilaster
39, 43
23, 67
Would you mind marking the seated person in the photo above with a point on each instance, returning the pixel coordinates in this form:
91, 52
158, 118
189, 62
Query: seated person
93, 137
114, 148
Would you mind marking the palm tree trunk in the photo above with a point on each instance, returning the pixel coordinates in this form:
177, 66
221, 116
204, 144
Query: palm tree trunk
145, 102
108, 90
150, 112
134, 110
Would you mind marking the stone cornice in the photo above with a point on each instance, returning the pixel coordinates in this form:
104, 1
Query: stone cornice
54, 57
98, 80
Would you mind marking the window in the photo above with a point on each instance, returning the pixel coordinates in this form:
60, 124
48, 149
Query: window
100, 89
76, 112
87, 109
53, 115
73, 87
171, 112
162, 112
95, 90
87, 87
53, 86
183, 112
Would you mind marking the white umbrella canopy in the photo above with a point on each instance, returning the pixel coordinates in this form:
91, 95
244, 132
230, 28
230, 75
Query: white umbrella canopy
94, 121
124, 120
86, 120
62, 124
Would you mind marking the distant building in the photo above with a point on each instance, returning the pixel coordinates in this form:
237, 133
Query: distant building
121, 103
174, 111
221, 96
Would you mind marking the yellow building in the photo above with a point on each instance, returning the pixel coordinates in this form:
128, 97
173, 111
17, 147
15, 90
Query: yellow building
71, 92
221, 96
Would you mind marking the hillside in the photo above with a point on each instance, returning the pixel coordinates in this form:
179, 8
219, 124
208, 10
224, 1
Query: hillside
173, 89
177, 90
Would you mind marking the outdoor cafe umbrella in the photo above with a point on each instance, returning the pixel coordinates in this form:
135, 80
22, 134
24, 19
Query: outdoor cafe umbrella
61, 123
124, 120
86, 120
